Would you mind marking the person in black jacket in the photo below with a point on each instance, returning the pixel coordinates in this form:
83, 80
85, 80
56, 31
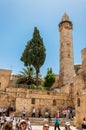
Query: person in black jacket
84, 124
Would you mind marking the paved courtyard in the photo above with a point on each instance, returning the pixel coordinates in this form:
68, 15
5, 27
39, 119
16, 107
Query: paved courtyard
37, 127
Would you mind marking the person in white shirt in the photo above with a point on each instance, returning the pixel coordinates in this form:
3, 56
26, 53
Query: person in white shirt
29, 127
33, 112
67, 126
24, 112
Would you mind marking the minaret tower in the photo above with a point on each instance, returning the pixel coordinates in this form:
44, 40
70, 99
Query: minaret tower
66, 52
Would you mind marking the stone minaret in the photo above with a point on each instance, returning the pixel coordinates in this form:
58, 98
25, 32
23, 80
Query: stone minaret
66, 52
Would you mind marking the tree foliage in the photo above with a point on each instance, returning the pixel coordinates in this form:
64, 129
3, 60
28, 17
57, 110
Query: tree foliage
34, 53
26, 76
49, 78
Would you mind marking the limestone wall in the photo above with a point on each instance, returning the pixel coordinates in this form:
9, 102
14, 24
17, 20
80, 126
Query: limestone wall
80, 110
65, 89
4, 100
4, 78
80, 92
84, 58
43, 100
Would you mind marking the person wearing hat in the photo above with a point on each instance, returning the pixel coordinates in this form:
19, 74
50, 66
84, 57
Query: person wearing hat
46, 127
23, 125
67, 126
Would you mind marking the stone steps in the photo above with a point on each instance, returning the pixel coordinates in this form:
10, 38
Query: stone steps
40, 121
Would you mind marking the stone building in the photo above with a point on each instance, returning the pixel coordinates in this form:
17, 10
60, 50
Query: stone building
72, 78
69, 90
80, 90
18, 97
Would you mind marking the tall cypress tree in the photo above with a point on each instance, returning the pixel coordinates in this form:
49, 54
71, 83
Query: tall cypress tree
34, 53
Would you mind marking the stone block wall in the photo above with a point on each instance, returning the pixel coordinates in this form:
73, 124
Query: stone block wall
4, 78
44, 100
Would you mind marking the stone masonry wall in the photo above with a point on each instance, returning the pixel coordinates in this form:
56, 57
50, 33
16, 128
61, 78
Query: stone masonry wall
43, 100
4, 78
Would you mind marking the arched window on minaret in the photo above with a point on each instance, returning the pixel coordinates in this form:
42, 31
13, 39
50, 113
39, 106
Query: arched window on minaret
69, 55
68, 44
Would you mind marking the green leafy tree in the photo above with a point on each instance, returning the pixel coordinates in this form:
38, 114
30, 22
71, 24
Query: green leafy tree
34, 53
26, 76
49, 79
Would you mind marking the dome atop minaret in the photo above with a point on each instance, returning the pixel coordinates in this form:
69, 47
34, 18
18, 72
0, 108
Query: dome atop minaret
65, 17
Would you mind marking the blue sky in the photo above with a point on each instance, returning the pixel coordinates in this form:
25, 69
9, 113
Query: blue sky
18, 19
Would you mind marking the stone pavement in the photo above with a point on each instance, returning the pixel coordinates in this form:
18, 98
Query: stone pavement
40, 127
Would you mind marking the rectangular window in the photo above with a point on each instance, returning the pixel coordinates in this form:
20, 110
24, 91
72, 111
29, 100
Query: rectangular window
54, 102
33, 101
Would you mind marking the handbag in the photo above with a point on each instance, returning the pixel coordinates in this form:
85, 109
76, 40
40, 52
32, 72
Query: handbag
56, 125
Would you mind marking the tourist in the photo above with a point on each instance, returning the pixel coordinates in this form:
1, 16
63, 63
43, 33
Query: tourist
39, 113
0, 122
29, 127
24, 112
33, 112
7, 126
46, 114
49, 117
3, 118
67, 126
46, 127
84, 124
57, 122
23, 125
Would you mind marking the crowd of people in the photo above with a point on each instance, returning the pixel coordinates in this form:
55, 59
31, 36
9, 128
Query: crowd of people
65, 113
23, 123
10, 122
